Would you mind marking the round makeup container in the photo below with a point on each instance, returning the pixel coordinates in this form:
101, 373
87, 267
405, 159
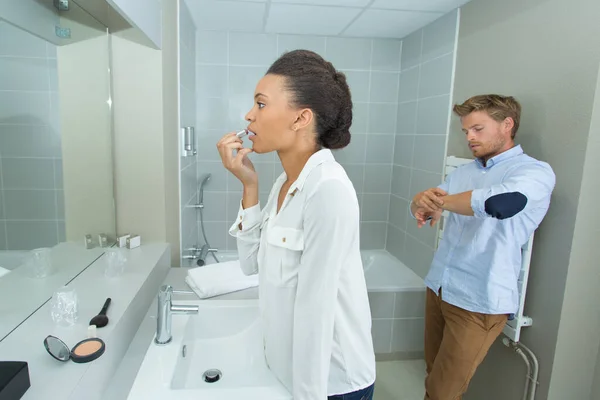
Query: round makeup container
85, 351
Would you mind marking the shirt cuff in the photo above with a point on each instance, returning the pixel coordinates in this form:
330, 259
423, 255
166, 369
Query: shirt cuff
410, 210
478, 198
247, 219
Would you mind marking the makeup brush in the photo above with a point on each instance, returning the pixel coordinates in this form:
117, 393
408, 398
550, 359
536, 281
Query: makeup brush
101, 320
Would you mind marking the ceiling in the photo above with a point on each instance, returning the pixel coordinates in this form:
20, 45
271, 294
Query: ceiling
348, 18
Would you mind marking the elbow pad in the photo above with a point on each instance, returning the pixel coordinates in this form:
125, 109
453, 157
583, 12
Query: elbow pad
505, 205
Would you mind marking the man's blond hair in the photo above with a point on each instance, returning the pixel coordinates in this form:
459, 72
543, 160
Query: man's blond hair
496, 106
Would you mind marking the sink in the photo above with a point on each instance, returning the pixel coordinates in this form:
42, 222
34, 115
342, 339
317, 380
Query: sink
223, 343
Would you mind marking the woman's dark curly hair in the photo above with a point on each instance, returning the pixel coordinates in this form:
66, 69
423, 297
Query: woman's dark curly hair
314, 83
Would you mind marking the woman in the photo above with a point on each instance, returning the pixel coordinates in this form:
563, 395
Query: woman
305, 243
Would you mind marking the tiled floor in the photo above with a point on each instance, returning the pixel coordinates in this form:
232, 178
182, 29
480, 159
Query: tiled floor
400, 380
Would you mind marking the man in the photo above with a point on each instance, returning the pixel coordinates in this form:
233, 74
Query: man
495, 204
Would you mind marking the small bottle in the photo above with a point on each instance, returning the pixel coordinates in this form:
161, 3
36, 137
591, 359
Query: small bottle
91, 332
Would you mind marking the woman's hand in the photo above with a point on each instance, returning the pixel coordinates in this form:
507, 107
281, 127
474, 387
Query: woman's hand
239, 164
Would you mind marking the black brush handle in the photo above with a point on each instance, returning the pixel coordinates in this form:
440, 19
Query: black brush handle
105, 307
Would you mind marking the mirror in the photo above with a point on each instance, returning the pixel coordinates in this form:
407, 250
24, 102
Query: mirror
56, 177
57, 348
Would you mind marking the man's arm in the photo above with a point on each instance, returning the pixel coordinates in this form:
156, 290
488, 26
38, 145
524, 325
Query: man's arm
529, 185
459, 203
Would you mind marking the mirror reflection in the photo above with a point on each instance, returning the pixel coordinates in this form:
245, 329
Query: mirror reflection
56, 178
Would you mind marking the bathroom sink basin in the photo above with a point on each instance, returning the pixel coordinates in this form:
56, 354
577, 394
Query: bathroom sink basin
216, 354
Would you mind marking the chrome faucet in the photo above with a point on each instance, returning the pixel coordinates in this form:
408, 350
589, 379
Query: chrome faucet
199, 254
165, 311
203, 253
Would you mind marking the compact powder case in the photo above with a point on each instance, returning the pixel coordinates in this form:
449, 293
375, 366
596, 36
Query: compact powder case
85, 351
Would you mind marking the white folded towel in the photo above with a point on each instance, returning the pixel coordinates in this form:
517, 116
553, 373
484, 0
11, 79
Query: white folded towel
216, 279
4, 271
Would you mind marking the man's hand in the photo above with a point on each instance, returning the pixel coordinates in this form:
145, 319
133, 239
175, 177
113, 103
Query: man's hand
423, 216
430, 200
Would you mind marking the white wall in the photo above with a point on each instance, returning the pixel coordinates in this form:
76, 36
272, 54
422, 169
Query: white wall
145, 131
579, 333
85, 119
545, 53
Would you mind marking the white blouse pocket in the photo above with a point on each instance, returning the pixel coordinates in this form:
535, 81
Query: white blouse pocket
285, 249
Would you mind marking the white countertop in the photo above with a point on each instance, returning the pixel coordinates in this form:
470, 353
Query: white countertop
131, 295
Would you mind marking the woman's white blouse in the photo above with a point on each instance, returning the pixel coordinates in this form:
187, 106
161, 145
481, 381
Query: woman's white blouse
313, 296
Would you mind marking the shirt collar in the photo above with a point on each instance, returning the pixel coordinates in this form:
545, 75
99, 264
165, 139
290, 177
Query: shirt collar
508, 154
315, 160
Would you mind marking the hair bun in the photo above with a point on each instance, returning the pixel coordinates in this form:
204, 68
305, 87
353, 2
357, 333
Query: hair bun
336, 138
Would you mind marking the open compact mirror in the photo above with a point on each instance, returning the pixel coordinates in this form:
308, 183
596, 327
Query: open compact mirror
85, 351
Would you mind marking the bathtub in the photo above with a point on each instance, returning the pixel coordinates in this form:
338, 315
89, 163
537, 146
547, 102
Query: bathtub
397, 300
10, 260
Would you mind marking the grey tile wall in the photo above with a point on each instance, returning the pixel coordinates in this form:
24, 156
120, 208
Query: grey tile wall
424, 106
31, 188
187, 100
228, 67
398, 322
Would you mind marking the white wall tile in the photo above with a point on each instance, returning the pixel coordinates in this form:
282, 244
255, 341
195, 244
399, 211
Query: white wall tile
432, 115
440, 36
381, 304
211, 47
395, 242
386, 55
398, 211
407, 117
359, 85
372, 235
436, 76
380, 149
411, 50
252, 49
375, 207
349, 53
301, 42
384, 87
429, 152
360, 115
212, 113
377, 178
212, 81
382, 118
409, 85
403, 150
401, 182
